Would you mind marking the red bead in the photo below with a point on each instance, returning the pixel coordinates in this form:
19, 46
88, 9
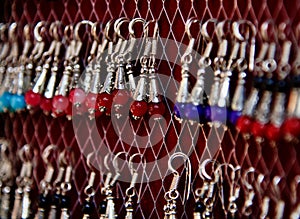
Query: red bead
32, 99
91, 101
272, 132
60, 103
104, 102
69, 111
258, 129
138, 108
77, 96
244, 124
46, 104
156, 108
291, 127
121, 97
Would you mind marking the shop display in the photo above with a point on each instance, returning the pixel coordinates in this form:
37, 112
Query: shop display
186, 113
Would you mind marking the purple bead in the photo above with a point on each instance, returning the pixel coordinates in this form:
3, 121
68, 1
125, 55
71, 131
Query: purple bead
194, 112
179, 110
207, 112
218, 114
234, 116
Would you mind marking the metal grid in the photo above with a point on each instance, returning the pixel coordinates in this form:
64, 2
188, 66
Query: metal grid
40, 130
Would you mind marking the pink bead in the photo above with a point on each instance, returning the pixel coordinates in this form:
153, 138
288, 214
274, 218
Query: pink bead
60, 103
77, 96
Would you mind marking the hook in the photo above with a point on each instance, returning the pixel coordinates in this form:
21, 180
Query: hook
94, 31
220, 31
132, 22
25, 153
294, 186
68, 32
47, 151
204, 31
132, 170
202, 170
146, 28
264, 30
117, 26
53, 30
12, 35
175, 181
26, 32
115, 162
237, 33
38, 30
106, 30
188, 25
77, 27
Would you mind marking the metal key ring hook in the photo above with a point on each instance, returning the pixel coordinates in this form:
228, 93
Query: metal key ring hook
3, 28
130, 162
202, 170
12, 32
188, 166
26, 32
245, 178
107, 29
220, 29
132, 23
39, 29
204, 31
188, 25
146, 28
115, 162
53, 30
117, 27
88, 161
94, 31
68, 32
25, 153
264, 30
77, 27
237, 32
47, 151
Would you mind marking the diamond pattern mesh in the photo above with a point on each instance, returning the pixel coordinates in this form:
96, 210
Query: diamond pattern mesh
40, 130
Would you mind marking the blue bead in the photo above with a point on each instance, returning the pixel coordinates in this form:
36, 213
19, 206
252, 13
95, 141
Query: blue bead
17, 102
218, 114
179, 110
5, 101
194, 112
234, 116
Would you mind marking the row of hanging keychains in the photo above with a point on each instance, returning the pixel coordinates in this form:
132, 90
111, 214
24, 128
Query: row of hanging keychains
37, 71
53, 201
263, 114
